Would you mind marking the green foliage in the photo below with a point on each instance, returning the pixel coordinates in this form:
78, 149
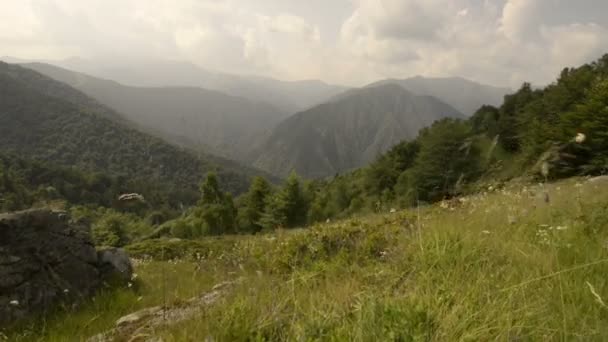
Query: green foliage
115, 229
288, 207
48, 121
590, 117
447, 156
254, 205
383, 174
216, 208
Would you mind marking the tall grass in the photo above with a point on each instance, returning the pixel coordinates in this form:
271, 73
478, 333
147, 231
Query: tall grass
503, 265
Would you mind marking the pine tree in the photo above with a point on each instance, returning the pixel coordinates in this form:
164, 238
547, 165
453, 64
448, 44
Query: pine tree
215, 207
446, 154
591, 119
254, 204
288, 207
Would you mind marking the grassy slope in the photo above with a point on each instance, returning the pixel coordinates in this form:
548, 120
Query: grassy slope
504, 265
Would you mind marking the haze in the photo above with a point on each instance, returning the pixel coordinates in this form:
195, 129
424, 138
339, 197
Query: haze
502, 42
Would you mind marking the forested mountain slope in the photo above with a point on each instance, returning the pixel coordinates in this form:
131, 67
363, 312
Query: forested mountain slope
348, 132
37, 122
193, 117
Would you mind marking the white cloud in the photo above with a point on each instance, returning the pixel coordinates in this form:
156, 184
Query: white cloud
346, 41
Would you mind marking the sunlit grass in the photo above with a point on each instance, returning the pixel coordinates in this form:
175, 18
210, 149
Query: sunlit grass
501, 265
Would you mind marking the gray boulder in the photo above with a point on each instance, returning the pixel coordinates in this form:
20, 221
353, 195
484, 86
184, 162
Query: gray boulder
46, 260
115, 263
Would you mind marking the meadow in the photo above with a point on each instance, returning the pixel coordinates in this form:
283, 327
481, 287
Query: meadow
518, 262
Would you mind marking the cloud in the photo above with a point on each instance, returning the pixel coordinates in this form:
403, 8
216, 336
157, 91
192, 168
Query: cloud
500, 42
503, 42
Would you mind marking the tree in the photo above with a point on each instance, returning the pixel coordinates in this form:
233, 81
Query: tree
254, 204
383, 173
287, 208
215, 207
447, 155
591, 119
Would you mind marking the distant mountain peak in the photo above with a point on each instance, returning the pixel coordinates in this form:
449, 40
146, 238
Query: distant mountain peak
350, 131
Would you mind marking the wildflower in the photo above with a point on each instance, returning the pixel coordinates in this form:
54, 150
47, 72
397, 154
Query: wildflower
487, 232
383, 254
580, 138
66, 291
129, 284
134, 276
14, 302
393, 210
561, 227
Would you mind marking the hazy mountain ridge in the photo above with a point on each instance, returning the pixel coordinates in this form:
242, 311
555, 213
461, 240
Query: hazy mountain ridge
465, 95
287, 96
193, 117
348, 132
43, 126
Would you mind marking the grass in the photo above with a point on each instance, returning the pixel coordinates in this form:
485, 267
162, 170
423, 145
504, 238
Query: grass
503, 265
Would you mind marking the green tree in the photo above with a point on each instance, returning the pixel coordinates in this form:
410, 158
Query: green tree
591, 119
288, 207
447, 155
216, 208
253, 205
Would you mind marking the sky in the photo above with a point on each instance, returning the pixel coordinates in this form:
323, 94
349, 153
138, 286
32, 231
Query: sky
350, 42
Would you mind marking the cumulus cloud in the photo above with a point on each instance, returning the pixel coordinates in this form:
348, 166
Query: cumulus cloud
500, 42
503, 42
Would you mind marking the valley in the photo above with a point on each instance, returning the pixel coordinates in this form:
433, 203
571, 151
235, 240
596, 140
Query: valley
235, 208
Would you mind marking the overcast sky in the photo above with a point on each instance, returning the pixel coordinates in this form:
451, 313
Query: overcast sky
352, 42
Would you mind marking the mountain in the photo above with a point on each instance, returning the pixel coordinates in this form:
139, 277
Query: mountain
348, 132
43, 119
192, 117
288, 96
465, 95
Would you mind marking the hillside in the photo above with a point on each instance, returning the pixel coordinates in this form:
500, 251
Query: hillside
41, 122
462, 94
350, 132
498, 266
191, 117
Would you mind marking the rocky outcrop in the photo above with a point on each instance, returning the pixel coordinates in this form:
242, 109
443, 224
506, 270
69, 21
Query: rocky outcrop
46, 260
140, 325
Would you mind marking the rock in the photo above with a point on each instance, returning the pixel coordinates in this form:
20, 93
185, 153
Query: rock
138, 316
115, 262
141, 325
46, 260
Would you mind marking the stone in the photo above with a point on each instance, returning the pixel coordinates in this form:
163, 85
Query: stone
47, 260
138, 316
115, 262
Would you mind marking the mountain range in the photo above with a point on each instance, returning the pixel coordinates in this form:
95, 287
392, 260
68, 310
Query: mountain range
348, 132
197, 118
287, 96
47, 120
250, 122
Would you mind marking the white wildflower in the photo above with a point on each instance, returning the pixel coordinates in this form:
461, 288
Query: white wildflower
14, 302
580, 138
134, 276
487, 232
129, 284
393, 210
561, 227
66, 291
